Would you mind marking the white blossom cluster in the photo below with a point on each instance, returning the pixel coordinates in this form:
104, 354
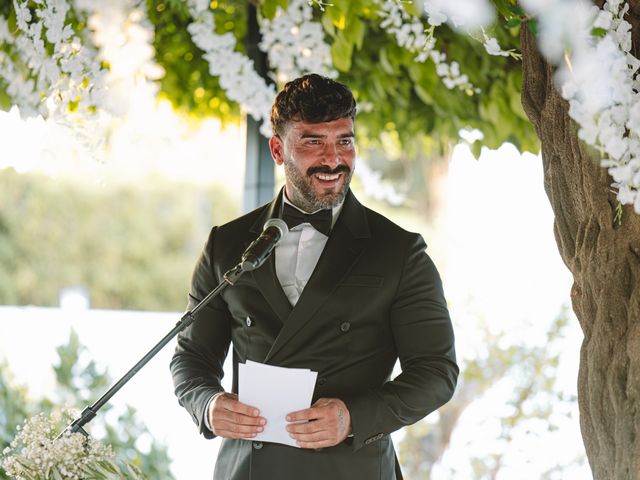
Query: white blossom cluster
600, 80
470, 14
67, 82
493, 48
411, 34
235, 71
295, 43
124, 34
36, 453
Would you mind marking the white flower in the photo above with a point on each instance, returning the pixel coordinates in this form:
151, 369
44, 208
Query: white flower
23, 15
603, 97
235, 71
633, 124
636, 204
295, 44
471, 14
199, 6
5, 36
442, 69
435, 15
492, 47
603, 20
411, 35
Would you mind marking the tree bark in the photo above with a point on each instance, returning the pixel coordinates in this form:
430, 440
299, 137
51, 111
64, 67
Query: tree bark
604, 259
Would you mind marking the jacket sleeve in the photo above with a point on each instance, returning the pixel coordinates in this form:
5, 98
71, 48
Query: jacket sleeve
196, 366
424, 340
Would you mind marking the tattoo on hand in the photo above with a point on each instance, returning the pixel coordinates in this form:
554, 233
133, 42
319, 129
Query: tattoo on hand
341, 426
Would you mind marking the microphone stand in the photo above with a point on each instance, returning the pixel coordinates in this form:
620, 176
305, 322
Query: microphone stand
89, 413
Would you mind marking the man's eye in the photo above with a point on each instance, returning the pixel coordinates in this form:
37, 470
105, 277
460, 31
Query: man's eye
313, 141
346, 141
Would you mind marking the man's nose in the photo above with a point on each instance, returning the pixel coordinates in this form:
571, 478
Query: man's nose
331, 155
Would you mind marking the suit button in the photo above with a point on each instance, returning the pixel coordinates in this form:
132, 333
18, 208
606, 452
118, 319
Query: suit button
322, 380
248, 321
345, 326
257, 445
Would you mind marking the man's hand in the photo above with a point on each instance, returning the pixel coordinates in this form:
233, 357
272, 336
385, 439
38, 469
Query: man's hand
329, 423
231, 419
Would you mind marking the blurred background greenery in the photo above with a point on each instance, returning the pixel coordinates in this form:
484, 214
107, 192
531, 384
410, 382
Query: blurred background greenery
130, 245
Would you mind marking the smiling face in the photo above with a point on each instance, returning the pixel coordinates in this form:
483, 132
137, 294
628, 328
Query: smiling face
318, 161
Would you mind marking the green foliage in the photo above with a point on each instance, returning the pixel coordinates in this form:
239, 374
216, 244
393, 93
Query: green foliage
269, 8
187, 82
132, 247
397, 95
79, 382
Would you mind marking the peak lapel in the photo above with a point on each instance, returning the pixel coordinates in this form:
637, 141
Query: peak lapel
345, 245
265, 276
267, 281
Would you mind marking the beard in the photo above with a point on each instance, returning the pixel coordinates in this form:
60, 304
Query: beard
308, 198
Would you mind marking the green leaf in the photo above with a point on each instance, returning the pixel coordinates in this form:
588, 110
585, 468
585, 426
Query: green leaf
56, 474
338, 17
423, 94
503, 7
341, 6
599, 32
517, 10
180, 7
513, 22
476, 148
533, 26
354, 32
327, 23
412, 8
270, 7
6, 101
341, 51
384, 62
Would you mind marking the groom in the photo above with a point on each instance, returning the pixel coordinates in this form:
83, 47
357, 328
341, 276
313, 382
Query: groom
346, 294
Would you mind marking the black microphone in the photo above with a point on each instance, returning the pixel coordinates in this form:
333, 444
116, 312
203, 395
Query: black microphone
261, 247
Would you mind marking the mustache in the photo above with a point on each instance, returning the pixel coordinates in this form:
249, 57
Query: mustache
325, 169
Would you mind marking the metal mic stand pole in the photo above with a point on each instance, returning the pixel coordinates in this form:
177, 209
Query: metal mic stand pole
187, 319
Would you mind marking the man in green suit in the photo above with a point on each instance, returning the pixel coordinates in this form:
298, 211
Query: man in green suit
346, 294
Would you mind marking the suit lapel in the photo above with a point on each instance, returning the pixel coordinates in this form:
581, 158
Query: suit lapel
265, 276
344, 246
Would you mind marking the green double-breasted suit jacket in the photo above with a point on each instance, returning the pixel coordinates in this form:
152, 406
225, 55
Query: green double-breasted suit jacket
374, 296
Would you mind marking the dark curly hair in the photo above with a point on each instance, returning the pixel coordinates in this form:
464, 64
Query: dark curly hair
311, 98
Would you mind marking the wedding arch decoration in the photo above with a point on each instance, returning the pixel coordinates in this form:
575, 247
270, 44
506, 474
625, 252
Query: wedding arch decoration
50, 66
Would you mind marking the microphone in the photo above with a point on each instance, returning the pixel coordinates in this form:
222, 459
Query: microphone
260, 249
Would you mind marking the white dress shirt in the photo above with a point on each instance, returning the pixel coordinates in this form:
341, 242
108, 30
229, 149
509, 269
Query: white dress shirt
297, 254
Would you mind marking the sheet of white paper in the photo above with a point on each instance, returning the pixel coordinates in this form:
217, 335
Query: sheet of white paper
275, 391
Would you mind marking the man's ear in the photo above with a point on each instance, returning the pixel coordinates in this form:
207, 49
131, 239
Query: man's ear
277, 149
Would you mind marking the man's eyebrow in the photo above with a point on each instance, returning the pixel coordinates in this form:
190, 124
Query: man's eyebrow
317, 135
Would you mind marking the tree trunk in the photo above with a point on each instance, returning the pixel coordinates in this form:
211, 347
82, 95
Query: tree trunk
604, 259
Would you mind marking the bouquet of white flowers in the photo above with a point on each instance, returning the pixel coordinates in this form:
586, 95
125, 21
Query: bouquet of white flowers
37, 454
